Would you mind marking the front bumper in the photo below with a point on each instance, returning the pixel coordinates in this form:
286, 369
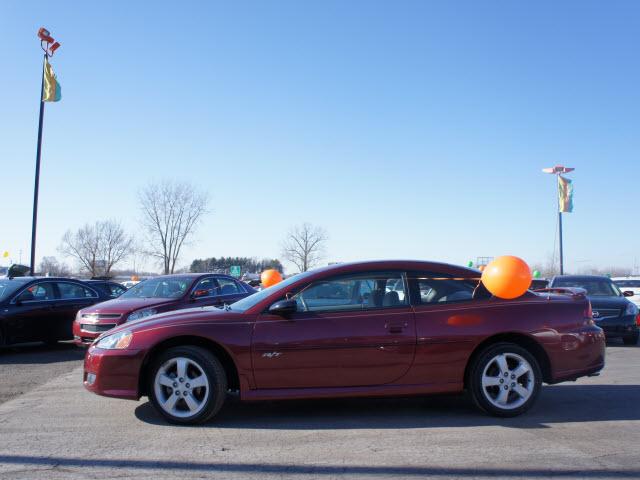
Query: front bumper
113, 373
622, 326
86, 332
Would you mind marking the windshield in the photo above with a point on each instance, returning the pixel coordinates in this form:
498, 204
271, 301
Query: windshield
160, 287
8, 287
252, 300
627, 283
595, 287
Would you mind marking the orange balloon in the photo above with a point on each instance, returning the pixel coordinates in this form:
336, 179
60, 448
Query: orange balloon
507, 277
481, 268
270, 277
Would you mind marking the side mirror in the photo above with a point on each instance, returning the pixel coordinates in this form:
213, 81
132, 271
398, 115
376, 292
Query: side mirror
284, 307
628, 293
200, 293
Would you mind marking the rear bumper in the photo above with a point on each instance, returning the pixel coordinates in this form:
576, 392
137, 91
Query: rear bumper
579, 354
113, 373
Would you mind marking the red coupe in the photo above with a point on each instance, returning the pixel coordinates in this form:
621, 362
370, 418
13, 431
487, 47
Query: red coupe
363, 329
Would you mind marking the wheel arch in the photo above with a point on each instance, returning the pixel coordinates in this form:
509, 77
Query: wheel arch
523, 340
215, 348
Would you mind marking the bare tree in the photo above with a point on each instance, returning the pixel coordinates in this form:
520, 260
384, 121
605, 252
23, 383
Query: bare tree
171, 212
51, 267
97, 247
304, 246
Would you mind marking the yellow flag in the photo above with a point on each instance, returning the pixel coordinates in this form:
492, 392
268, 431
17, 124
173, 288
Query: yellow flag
51, 92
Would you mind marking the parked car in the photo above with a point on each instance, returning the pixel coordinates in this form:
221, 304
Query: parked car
130, 283
629, 284
539, 283
42, 308
340, 331
612, 311
156, 295
110, 288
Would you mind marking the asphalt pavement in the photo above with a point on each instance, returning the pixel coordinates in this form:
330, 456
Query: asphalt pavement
54, 429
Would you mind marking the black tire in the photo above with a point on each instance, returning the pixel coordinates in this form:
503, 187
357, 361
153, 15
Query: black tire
631, 339
487, 398
210, 402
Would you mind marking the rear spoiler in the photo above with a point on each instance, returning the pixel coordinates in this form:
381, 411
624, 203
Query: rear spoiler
573, 292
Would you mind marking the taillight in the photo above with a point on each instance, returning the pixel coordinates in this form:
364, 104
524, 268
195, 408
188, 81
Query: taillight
588, 312
638, 319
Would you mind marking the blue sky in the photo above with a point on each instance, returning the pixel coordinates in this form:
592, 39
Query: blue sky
406, 129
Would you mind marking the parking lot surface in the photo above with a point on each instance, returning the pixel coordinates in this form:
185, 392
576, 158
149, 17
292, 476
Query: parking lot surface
55, 429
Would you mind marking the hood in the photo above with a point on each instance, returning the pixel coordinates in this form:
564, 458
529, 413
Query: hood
127, 305
179, 317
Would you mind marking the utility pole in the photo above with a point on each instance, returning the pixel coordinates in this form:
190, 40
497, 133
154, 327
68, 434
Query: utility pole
565, 201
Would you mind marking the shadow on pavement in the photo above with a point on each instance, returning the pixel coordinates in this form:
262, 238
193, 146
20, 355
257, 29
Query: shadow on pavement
556, 404
313, 470
38, 353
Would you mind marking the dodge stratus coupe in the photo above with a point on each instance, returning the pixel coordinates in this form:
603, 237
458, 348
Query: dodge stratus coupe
363, 329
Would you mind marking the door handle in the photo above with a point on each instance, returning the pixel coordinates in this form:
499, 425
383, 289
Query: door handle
396, 328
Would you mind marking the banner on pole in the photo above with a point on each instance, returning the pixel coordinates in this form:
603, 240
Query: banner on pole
51, 91
565, 194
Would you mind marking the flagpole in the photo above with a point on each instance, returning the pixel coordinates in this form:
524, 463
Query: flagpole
36, 187
560, 238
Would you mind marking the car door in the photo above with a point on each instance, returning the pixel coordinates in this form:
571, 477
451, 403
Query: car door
31, 313
72, 297
348, 331
206, 293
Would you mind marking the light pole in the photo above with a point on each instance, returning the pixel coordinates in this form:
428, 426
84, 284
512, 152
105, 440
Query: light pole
565, 200
49, 46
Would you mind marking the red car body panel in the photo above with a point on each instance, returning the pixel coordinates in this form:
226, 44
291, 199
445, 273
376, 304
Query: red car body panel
405, 350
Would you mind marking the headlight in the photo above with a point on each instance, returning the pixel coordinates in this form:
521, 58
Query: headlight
631, 309
117, 341
147, 312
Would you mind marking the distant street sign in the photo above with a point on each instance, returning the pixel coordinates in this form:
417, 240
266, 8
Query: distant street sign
235, 271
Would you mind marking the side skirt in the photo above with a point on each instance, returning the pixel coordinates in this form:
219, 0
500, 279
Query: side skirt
342, 392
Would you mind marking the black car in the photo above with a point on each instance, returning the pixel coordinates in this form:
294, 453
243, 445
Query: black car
612, 312
110, 288
43, 309
539, 283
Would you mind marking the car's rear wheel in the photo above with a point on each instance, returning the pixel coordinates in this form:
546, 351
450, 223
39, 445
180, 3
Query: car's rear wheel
187, 385
631, 339
505, 380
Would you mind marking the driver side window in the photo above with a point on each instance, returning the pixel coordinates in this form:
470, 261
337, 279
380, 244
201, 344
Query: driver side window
37, 292
353, 293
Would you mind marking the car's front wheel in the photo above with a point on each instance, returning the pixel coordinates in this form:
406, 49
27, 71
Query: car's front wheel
505, 380
187, 385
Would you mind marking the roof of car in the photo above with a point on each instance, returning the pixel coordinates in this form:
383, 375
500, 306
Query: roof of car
29, 279
401, 265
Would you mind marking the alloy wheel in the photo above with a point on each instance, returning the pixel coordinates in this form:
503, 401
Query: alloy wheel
181, 387
508, 381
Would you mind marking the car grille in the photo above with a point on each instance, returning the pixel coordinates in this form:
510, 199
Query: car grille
97, 328
101, 316
606, 313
